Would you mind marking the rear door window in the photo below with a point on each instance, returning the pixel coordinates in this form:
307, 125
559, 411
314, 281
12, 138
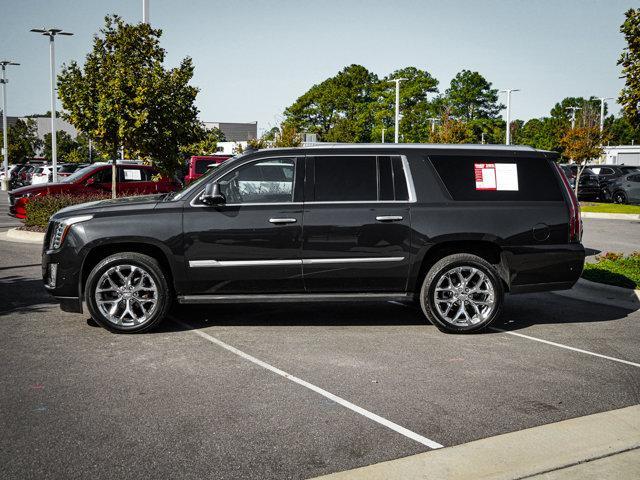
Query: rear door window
346, 178
526, 179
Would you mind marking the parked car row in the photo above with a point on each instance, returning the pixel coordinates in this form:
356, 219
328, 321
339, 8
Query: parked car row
616, 183
131, 179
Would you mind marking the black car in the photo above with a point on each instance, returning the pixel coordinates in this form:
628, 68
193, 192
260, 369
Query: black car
451, 227
589, 188
626, 189
607, 174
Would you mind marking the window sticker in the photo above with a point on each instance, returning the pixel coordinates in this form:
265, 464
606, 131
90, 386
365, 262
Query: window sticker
485, 176
132, 174
496, 176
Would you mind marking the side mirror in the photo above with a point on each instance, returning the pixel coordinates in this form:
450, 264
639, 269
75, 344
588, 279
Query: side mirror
212, 195
90, 182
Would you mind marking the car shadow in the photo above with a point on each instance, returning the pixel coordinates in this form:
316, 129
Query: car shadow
520, 311
23, 295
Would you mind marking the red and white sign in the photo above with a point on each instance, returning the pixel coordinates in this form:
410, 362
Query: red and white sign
496, 176
485, 176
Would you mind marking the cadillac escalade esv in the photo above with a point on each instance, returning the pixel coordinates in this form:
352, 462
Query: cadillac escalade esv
452, 227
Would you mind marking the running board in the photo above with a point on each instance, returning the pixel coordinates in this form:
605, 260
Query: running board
295, 297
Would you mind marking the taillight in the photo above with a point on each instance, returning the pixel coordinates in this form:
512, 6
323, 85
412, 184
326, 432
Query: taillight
575, 220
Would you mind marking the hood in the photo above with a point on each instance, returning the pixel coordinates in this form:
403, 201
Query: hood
144, 202
33, 189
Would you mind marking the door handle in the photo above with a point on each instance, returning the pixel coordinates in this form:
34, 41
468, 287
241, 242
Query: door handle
280, 221
388, 218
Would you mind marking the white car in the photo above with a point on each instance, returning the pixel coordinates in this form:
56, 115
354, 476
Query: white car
41, 175
11, 169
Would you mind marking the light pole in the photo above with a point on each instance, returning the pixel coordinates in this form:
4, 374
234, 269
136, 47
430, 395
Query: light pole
5, 143
482, 136
383, 134
145, 11
51, 33
508, 92
573, 115
602, 102
397, 82
433, 121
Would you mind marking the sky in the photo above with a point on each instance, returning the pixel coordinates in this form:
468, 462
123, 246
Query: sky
254, 58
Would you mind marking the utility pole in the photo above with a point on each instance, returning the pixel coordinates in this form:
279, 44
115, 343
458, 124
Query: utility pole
397, 81
145, 11
482, 136
602, 102
573, 115
508, 92
433, 121
5, 143
383, 134
51, 33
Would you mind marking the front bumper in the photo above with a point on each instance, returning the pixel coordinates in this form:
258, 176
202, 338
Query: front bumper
61, 270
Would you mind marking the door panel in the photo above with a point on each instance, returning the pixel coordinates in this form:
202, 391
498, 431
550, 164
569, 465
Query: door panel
253, 243
357, 229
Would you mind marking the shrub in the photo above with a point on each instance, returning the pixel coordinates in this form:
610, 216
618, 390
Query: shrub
40, 209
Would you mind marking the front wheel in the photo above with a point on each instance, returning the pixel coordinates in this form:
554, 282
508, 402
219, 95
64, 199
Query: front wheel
128, 293
462, 293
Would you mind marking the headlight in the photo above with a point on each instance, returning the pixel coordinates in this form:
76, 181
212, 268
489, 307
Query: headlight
61, 229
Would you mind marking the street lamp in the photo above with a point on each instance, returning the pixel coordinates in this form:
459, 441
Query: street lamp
145, 11
5, 144
433, 121
508, 92
51, 33
602, 102
573, 115
397, 82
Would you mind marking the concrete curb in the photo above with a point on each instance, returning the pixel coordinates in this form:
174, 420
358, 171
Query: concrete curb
605, 294
24, 236
557, 447
611, 216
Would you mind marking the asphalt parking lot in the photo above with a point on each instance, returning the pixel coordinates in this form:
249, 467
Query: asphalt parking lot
288, 391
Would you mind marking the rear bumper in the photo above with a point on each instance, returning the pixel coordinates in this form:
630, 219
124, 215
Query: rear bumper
543, 267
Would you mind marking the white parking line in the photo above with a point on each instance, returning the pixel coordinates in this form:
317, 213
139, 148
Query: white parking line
371, 416
606, 357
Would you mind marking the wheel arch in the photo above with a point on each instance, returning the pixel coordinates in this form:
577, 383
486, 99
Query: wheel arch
144, 246
489, 250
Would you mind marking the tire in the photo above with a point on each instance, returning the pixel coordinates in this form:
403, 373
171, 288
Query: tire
135, 310
619, 197
481, 274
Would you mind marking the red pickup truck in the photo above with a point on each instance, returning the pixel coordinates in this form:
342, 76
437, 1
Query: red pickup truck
200, 164
131, 180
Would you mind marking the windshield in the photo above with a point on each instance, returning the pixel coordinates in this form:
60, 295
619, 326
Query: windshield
78, 174
177, 195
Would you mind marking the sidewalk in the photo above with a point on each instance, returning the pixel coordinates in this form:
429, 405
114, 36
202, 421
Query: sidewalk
601, 446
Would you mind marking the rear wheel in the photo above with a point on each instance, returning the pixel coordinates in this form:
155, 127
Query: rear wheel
619, 197
462, 293
127, 293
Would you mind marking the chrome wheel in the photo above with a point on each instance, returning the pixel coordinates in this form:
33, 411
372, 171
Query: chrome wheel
126, 295
464, 296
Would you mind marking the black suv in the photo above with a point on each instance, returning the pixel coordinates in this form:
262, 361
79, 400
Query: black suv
451, 227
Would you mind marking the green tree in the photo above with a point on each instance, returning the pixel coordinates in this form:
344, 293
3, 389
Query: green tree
288, 136
207, 144
123, 95
470, 96
23, 140
630, 61
451, 130
65, 144
620, 132
337, 109
415, 108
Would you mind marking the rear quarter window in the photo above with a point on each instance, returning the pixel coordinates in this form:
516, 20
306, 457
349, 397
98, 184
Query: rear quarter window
536, 179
